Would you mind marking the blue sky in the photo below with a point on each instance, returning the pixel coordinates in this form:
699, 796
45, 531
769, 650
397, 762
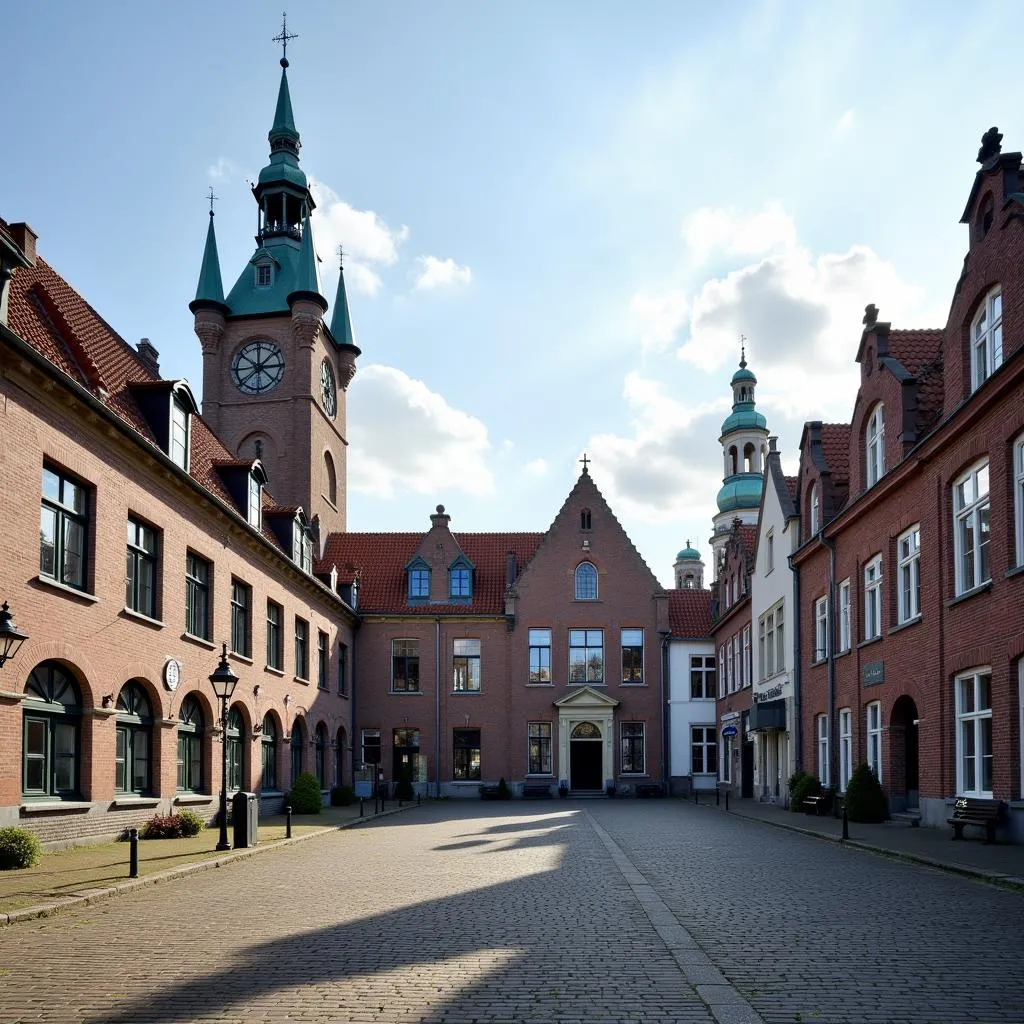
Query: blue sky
561, 216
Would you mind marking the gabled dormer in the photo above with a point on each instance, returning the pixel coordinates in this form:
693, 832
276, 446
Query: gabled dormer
418, 580
294, 533
460, 580
168, 407
245, 481
265, 268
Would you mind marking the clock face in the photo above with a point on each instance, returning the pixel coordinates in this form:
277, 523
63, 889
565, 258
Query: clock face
327, 389
257, 367
172, 674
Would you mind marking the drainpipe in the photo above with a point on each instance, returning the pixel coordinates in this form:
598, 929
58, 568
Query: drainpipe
665, 721
798, 705
831, 656
357, 748
437, 708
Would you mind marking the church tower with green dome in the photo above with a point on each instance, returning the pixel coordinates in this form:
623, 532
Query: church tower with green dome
275, 373
744, 441
688, 569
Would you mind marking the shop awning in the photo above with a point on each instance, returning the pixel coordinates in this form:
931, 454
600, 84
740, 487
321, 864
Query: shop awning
770, 714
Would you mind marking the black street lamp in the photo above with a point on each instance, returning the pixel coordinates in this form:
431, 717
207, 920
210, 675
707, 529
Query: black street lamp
224, 682
11, 638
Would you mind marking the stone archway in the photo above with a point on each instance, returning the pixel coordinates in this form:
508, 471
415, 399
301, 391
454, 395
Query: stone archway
904, 767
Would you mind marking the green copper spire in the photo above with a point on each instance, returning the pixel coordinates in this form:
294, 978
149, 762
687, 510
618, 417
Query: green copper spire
307, 273
210, 289
341, 322
284, 120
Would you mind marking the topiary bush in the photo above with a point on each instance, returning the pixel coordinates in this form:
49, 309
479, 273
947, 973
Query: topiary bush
191, 824
172, 826
19, 848
808, 785
795, 778
343, 796
865, 798
305, 797
503, 790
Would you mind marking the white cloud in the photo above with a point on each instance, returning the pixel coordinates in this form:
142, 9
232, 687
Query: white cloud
369, 243
406, 437
710, 230
659, 317
223, 170
438, 273
536, 467
844, 125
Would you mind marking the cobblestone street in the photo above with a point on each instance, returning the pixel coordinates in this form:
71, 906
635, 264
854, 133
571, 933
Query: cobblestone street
584, 912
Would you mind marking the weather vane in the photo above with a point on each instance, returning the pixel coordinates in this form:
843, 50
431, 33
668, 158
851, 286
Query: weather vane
743, 350
284, 38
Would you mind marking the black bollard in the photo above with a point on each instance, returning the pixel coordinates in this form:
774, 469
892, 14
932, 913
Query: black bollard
133, 853
360, 807
417, 799
718, 796
727, 799
846, 824
696, 796
287, 821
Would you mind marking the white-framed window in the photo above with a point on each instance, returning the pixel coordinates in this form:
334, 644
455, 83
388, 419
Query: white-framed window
538, 749
873, 598
703, 750
973, 697
466, 666
721, 671
632, 752
585, 582
1018, 495
746, 656
540, 656
987, 338
822, 729
586, 656
874, 735
844, 616
771, 644
971, 528
908, 573
726, 762
1020, 705
769, 552
875, 438
821, 629
815, 510
255, 511
702, 677
730, 678
264, 275
178, 446
845, 748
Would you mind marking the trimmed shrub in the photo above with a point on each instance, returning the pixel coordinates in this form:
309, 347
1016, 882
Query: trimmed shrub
808, 785
305, 797
795, 778
343, 796
865, 798
403, 787
190, 823
19, 848
503, 791
161, 826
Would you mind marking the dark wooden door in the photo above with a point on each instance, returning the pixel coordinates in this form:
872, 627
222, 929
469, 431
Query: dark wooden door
585, 770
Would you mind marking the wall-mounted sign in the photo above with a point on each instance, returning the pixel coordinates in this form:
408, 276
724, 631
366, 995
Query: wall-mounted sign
872, 673
772, 693
729, 730
172, 674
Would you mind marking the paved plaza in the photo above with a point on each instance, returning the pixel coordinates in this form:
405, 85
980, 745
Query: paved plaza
562, 911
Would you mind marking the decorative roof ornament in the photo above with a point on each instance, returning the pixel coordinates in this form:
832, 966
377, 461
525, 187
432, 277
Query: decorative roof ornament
743, 366
991, 145
585, 460
283, 38
870, 315
341, 320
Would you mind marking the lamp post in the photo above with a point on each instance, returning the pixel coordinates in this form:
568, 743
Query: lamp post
224, 682
11, 638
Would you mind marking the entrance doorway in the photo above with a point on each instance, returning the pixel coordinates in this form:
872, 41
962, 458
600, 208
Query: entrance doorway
904, 755
585, 758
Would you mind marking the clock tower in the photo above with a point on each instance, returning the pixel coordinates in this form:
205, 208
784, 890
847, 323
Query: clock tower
275, 374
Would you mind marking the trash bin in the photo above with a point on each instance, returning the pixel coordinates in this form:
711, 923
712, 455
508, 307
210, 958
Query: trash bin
245, 816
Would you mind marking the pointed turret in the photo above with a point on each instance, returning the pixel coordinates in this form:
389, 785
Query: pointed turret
341, 321
284, 130
210, 292
307, 273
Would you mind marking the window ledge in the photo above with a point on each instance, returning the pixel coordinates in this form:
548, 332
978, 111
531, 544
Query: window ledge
243, 658
905, 625
194, 798
141, 617
540, 775
819, 661
542, 685
634, 775
63, 588
344, 696
1017, 570
201, 641
47, 806
273, 671
406, 693
466, 693
842, 654
299, 680
586, 600
868, 643
968, 594
632, 684
136, 801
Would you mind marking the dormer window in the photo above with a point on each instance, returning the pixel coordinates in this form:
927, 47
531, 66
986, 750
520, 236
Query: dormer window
586, 582
987, 339
419, 583
180, 421
815, 511
302, 546
255, 510
264, 275
875, 438
460, 582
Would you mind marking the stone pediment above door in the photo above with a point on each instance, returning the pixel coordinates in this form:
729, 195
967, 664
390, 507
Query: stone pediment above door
586, 697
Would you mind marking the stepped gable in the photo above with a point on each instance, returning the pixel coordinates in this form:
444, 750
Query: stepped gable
378, 561
689, 613
792, 486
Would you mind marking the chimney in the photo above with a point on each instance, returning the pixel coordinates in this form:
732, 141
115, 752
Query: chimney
149, 356
772, 443
25, 239
439, 518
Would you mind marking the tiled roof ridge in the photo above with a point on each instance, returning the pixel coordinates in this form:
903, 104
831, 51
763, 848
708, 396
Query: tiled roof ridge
916, 330
65, 334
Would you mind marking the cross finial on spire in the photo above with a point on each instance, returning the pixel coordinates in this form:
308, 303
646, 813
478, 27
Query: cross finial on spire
284, 38
212, 197
341, 256
743, 351
585, 460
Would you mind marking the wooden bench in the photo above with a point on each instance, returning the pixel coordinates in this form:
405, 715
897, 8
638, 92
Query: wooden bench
536, 791
815, 804
971, 810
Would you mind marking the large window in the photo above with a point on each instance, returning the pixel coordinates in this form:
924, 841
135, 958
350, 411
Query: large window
540, 655
405, 666
703, 750
815, 516
875, 440
323, 660
342, 670
971, 530
539, 748
301, 648
255, 506
241, 600
586, 656
178, 448
369, 742
747, 666
632, 656
63, 529
987, 339
466, 666
771, 642
298, 741
702, 676
874, 735
845, 632
52, 711
275, 656
140, 576
873, 598
845, 748
908, 573
466, 751
320, 755
190, 745
821, 629
1018, 496
268, 749
822, 730
419, 583
197, 596
632, 748
730, 679
974, 733
235, 739
721, 671
460, 582
133, 740
586, 582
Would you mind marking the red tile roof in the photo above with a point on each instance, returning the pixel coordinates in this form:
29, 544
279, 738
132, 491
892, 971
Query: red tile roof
792, 484
689, 613
835, 448
748, 537
916, 348
378, 560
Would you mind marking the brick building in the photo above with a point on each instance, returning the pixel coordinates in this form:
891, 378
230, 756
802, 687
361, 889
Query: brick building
912, 519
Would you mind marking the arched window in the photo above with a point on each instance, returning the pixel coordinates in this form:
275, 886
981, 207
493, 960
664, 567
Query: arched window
52, 713
298, 739
987, 338
339, 758
585, 519
688, 582
815, 510
190, 745
331, 478
268, 745
733, 460
233, 738
875, 438
134, 740
586, 582
320, 760
749, 462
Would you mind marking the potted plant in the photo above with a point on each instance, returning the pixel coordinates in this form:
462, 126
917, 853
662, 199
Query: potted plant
609, 787
563, 788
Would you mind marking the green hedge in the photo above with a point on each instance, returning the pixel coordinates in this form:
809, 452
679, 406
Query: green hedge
305, 797
19, 848
865, 798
